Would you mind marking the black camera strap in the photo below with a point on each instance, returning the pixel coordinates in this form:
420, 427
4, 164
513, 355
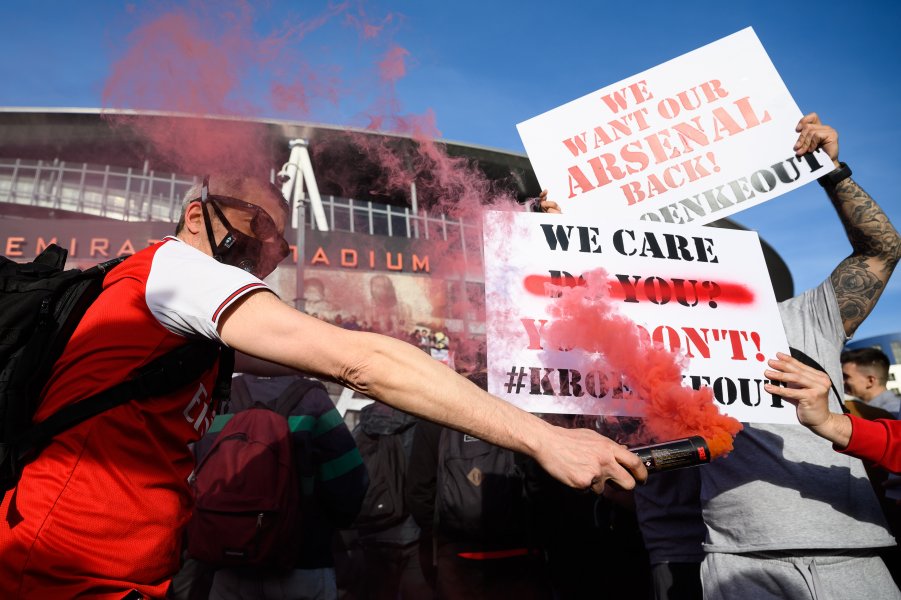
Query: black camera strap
810, 362
172, 371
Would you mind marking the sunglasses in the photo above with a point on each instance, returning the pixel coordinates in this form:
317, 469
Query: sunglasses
258, 253
261, 224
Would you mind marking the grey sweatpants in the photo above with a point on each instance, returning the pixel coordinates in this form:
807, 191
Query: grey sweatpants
781, 575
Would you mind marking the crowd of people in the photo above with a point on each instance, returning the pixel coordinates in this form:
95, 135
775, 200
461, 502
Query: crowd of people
426, 338
384, 314
494, 500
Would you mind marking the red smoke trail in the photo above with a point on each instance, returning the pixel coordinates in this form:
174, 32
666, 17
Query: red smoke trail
220, 58
208, 59
445, 185
368, 28
171, 68
204, 59
393, 67
454, 187
586, 318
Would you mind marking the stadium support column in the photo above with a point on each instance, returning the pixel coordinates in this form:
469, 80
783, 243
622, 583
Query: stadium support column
463, 279
414, 200
414, 205
294, 173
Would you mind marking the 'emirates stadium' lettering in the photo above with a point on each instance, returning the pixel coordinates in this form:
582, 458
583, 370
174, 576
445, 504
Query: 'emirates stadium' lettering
103, 247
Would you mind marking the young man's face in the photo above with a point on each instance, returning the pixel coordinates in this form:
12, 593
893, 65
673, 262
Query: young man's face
857, 381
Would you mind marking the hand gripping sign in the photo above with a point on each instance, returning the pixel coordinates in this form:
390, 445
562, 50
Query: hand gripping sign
627, 317
693, 140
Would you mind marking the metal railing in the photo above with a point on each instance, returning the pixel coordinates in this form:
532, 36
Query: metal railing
142, 194
123, 193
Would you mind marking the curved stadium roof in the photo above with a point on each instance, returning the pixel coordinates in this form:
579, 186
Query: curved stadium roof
68, 162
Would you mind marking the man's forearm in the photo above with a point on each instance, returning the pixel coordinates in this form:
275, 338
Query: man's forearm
396, 370
379, 367
837, 429
860, 278
408, 379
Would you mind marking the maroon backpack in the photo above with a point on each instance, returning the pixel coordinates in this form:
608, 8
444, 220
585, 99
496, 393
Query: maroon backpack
247, 495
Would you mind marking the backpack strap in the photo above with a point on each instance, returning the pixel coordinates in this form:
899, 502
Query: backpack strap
164, 375
222, 389
810, 362
53, 256
443, 440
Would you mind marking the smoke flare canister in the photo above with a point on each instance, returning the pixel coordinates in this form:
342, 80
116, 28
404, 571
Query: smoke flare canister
676, 454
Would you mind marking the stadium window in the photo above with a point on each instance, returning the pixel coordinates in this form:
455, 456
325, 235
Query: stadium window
896, 351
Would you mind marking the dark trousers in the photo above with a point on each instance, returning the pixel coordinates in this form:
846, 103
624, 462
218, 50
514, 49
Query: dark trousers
677, 581
385, 572
520, 577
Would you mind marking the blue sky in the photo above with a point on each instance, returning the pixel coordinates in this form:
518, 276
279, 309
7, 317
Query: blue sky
482, 67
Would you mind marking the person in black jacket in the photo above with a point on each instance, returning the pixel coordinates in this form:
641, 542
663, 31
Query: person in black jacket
382, 544
468, 497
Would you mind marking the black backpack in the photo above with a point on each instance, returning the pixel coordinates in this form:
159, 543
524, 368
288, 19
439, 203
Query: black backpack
41, 304
481, 491
384, 437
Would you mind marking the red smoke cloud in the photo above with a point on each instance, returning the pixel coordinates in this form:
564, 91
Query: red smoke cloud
586, 318
171, 66
220, 59
205, 59
392, 67
368, 28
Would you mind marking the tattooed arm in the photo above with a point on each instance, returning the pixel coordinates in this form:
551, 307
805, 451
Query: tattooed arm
860, 278
876, 247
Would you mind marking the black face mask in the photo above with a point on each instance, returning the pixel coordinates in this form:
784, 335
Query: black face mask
254, 255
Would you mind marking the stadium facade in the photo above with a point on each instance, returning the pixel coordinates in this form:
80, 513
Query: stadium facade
67, 176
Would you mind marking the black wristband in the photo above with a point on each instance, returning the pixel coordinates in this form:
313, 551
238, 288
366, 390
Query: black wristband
832, 178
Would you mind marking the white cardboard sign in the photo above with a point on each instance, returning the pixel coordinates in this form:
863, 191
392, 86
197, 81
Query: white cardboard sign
703, 292
693, 140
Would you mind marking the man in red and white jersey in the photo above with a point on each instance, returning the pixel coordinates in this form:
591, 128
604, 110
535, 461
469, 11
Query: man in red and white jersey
99, 513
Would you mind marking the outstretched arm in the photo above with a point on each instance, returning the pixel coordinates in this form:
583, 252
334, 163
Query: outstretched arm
876, 247
408, 379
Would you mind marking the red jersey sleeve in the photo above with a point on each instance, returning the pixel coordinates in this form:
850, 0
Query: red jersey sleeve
187, 291
876, 441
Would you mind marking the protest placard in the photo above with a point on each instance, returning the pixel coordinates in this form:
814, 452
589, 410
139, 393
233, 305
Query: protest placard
693, 140
702, 293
